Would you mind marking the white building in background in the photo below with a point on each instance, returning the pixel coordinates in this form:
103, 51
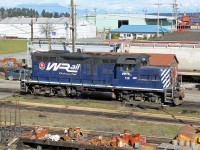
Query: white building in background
85, 29
20, 27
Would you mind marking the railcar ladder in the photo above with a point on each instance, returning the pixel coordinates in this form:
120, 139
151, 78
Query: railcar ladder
169, 94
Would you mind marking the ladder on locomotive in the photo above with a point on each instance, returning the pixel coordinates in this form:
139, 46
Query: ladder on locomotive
169, 94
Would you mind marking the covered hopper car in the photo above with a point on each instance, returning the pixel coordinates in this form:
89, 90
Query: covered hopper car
125, 77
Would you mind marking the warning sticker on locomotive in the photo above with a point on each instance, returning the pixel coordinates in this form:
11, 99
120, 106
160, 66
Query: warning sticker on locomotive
67, 68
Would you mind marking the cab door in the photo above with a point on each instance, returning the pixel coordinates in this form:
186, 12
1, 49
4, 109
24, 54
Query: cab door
126, 75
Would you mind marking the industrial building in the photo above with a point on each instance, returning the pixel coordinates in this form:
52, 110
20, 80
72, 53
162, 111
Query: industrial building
114, 21
108, 22
131, 32
88, 26
20, 27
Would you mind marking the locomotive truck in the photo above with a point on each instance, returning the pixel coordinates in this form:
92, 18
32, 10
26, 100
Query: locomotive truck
125, 77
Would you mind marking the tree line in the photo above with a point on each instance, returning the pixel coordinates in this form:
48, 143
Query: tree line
25, 12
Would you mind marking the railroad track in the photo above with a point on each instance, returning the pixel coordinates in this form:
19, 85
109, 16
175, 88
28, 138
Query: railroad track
167, 119
190, 105
185, 104
113, 115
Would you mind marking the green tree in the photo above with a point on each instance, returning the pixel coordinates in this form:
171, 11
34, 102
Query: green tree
5, 15
36, 14
56, 15
16, 12
43, 14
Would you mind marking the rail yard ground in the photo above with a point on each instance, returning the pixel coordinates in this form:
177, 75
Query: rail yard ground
53, 117
98, 115
47, 117
48, 112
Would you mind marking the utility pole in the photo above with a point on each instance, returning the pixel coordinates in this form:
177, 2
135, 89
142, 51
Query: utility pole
75, 22
31, 29
95, 14
175, 13
73, 26
158, 28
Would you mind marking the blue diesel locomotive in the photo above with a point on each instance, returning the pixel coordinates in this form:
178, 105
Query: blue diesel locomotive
125, 77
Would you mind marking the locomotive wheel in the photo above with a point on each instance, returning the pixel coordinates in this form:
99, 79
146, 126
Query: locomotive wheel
62, 93
36, 92
49, 94
158, 100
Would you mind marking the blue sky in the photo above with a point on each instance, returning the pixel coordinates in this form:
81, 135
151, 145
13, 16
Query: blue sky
135, 6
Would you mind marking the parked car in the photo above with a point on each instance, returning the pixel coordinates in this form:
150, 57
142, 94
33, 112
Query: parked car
17, 74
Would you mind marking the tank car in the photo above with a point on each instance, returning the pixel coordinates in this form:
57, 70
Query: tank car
125, 77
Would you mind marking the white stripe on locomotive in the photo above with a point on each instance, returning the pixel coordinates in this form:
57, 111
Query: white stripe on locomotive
167, 84
165, 78
167, 72
163, 72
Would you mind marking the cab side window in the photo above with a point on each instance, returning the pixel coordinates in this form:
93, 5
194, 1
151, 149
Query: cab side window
16, 71
127, 68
